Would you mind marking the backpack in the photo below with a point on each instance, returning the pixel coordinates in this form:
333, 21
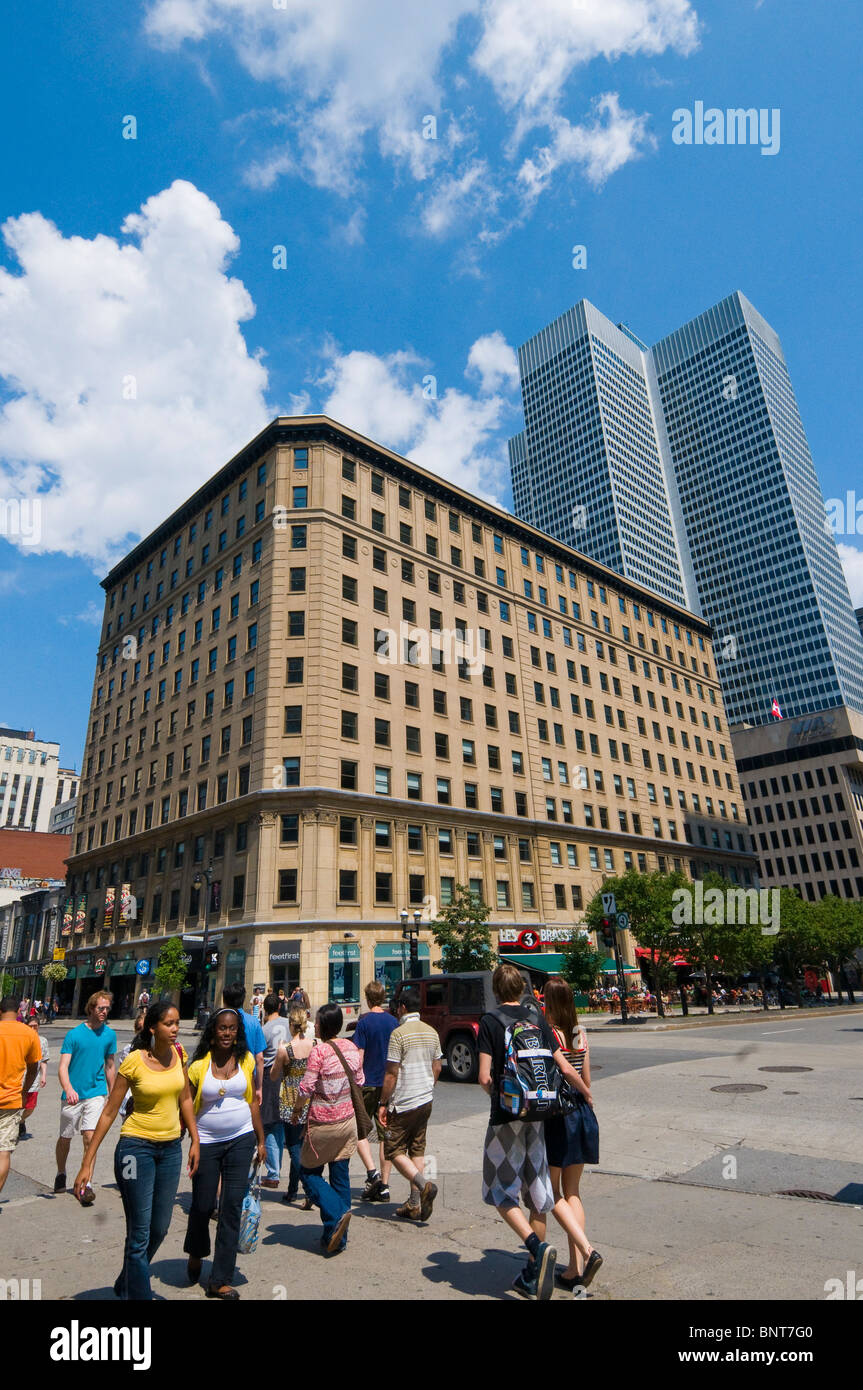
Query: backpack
531, 1084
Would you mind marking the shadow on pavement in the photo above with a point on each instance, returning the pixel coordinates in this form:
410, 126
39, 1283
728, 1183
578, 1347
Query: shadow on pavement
492, 1275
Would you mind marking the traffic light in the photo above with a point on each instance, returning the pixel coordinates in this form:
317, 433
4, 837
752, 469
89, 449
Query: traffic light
607, 932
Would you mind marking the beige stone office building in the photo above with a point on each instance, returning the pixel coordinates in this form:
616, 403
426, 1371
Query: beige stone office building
802, 781
349, 686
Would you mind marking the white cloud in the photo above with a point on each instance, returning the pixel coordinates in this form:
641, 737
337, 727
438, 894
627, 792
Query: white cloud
92, 614
397, 401
350, 68
852, 564
530, 48
130, 378
356, 73
495, 361
457, 198
613, 139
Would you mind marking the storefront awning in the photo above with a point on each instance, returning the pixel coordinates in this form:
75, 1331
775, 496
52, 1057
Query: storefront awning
544, 962
609, 967
71, 973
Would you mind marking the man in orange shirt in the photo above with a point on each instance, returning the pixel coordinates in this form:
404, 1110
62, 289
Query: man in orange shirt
19, 1061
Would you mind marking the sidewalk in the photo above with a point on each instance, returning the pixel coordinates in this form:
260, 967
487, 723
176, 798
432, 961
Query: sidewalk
699, 1017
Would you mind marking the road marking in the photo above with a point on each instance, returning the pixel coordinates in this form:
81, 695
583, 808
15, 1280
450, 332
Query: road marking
781, 1030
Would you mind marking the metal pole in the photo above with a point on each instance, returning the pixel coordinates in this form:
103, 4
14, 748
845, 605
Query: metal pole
621, 983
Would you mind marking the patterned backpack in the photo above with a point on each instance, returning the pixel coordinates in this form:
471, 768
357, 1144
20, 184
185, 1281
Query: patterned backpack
531, 1084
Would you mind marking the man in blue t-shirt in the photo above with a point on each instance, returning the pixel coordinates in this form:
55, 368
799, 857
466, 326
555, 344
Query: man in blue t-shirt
372, 1037
232, 998
86, 1074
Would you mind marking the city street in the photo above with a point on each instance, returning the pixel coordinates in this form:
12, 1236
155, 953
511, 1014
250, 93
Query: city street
684, 1201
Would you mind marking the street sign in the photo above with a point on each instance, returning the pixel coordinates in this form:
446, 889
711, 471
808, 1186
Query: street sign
609, 906
622, 921
191, 937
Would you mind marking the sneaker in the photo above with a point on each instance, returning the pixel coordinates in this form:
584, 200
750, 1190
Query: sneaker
371, 1187
590, 1269
525, 1283
427, 1197
60, 1183
382, 1194
546, 1259
87, 1197
409, 1213
338, 1239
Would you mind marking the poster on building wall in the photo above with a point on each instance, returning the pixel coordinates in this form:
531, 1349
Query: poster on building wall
110, 895
68, 916
126, 902
81, 914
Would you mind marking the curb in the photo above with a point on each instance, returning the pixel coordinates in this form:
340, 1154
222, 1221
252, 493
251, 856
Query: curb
727, 1020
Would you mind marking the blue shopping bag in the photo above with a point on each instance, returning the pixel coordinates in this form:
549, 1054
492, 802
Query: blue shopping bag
250, 1217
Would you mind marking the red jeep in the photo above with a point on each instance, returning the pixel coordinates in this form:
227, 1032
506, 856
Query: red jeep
454, 1005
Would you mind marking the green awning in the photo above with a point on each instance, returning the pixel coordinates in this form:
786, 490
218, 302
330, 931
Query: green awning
609, 967
71, 972
123, 967
544, 962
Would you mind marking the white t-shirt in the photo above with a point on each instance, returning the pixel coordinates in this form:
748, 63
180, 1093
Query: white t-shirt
46, 1057
223, 1117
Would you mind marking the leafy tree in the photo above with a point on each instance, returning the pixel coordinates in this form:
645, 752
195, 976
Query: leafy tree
581, 963
840, 924
170, 972
7, 985
460, 931
800, 942
717, 944
647, 898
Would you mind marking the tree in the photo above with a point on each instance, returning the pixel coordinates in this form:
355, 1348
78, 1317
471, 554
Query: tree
718, 942
8, 986
170, 973
460, 931
800, 942
840, 924
581, 963
647, 898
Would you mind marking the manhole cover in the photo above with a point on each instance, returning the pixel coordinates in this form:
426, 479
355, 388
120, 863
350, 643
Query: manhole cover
804, 1192
739, 1088
784, 1068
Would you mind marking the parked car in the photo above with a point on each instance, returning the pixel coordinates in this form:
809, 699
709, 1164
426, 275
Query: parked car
454, 1005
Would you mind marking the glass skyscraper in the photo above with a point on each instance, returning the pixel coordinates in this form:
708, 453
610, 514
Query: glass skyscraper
686, 466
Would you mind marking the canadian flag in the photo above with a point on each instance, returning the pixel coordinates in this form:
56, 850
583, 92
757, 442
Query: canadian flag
775, 710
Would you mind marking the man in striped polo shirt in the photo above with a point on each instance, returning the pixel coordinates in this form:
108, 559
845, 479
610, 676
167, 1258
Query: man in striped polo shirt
413, 1066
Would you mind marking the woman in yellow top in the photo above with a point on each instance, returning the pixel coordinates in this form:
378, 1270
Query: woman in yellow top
222, 1080
148, 1156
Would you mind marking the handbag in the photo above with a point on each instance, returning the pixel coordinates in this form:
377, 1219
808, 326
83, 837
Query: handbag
362, 1116
250, 1216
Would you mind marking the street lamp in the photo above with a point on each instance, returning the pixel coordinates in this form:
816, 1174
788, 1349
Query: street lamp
411, 933
203, 1013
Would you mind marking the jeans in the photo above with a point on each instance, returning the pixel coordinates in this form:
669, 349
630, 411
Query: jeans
294, 1143
333, 1197
275, 1137
147, 1174
230, 1160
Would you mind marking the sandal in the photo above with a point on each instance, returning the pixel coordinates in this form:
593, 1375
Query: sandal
228, 1295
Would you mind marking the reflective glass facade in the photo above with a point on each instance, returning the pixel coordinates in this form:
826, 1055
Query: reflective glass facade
727, 475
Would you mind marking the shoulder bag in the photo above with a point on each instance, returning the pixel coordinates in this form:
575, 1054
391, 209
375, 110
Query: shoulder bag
363, 1118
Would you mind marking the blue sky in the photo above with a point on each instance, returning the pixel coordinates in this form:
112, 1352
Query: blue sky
299, 123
